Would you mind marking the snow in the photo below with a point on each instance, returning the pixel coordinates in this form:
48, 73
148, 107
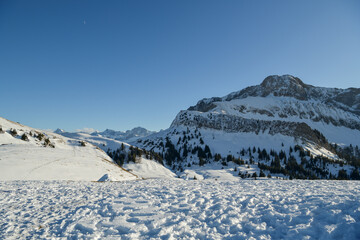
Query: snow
102, 142
215, 171
40, 163
178, 209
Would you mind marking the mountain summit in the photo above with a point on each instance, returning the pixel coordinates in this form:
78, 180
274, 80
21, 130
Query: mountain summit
293, 87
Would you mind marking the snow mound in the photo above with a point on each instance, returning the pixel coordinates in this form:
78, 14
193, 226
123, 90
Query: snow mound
106, 178
149, 169
190, 174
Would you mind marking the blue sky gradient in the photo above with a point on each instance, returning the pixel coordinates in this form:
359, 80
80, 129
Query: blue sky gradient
122, 64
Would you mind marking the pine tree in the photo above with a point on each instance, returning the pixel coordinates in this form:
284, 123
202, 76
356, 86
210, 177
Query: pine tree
207, 151
185, 151
201, 161
217, 157
342, 175
355, 174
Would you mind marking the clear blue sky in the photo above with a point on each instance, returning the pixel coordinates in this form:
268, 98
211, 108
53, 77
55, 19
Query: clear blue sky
122, 64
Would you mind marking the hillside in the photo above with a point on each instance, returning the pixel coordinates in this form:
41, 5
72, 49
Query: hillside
32, 154
143, 164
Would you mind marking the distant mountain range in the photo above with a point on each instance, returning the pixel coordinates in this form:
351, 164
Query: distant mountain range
129, 135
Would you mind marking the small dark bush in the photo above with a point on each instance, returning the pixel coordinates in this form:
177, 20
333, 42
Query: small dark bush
40, 136
13, 132
47, 142
24, 137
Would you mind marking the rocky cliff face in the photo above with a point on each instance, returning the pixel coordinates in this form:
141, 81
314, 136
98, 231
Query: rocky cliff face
233, 124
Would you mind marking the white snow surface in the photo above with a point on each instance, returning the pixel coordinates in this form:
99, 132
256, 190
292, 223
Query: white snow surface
178, 209
30, 160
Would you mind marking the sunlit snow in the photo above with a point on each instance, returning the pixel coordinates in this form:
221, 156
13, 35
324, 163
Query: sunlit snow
179, 209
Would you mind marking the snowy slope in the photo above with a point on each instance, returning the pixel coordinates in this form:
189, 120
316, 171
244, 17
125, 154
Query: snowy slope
100, 141
49, 156
143, 168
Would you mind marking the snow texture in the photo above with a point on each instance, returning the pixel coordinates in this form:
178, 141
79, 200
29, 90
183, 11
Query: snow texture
178, 209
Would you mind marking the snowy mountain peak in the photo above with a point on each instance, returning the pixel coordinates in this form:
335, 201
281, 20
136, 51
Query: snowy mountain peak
290, 87
132, 134
282, 81
59, 131
286, 85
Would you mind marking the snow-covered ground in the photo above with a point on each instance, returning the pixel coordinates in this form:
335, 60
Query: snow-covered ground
179, 209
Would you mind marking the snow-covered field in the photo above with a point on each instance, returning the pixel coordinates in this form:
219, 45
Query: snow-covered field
179, 209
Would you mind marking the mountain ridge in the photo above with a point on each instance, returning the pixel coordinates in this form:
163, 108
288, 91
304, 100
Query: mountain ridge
290, 86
